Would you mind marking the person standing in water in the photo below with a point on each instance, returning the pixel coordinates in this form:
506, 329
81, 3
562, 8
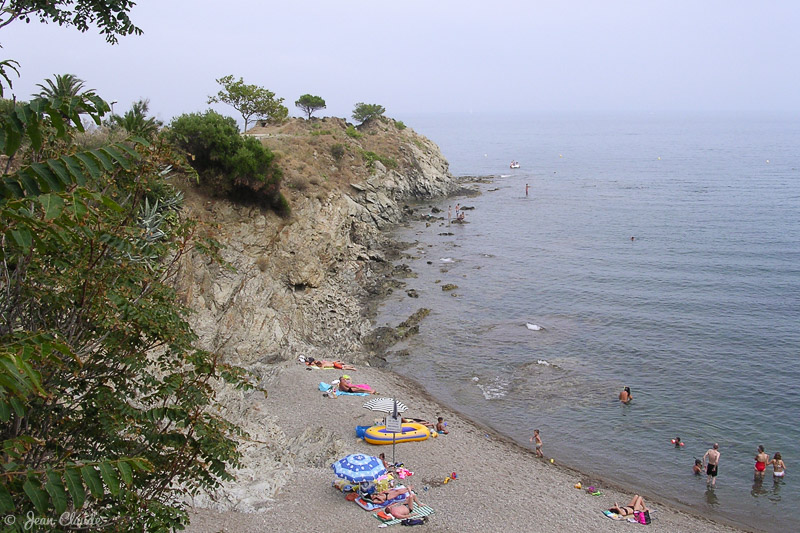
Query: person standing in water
538, 441
526, 190
778, 466
711, 460
449, 214
761, 461
625, 395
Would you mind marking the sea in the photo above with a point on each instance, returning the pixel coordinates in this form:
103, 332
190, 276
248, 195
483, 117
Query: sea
657, 252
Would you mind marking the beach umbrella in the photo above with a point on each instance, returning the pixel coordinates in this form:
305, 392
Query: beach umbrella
358, 467
386, 405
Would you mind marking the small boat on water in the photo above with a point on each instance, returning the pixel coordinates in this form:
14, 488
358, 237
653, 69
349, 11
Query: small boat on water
514, 164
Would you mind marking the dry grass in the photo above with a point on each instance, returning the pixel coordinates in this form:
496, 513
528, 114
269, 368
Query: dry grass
305, 151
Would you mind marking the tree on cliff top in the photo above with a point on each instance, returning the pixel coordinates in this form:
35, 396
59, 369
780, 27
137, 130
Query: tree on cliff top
250, 100
366, 112
309, 104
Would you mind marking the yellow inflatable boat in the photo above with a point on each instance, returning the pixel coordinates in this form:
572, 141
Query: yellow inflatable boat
411, 432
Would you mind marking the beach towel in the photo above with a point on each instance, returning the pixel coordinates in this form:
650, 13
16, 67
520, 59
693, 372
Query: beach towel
612, 515
419, 512
325, 387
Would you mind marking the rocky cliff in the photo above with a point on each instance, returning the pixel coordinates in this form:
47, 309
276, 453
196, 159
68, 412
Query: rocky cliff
297, 285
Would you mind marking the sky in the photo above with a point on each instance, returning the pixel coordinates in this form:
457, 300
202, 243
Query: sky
427, 56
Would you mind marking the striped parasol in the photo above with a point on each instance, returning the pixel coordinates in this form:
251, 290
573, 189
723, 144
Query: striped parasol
385, 405
359, 467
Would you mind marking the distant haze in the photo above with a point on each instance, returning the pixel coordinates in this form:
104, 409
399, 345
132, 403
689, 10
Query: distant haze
427, 56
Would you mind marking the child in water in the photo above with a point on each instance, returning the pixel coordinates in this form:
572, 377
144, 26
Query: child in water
698, 467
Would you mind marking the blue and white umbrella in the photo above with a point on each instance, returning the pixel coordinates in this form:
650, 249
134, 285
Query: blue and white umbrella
358, 467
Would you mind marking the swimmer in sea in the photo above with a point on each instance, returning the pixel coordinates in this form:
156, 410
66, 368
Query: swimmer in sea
625, 395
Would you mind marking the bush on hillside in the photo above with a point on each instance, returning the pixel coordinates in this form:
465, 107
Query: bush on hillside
337, 151
351, 131
229, 165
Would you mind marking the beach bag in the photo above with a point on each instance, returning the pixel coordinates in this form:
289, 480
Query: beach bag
414, 521
646, 516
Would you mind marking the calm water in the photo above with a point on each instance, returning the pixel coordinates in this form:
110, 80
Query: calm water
699, 314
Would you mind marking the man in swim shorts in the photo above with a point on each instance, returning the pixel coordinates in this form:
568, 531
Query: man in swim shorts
711, 459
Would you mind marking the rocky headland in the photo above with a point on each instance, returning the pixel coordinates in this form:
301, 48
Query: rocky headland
307, 285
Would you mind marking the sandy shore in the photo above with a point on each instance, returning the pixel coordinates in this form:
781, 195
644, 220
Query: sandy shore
500, 485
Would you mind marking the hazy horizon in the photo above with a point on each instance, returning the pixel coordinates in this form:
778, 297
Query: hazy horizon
416, 58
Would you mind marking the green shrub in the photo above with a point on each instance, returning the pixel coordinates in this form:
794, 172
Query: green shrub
371, 157
352, 132
337, 151
322, 132
229, 165
281, 205
399, 125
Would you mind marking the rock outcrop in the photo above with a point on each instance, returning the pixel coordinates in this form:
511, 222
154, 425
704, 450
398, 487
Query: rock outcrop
297, 285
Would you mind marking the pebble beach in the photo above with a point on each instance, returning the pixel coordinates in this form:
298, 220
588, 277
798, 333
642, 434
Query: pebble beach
499, 486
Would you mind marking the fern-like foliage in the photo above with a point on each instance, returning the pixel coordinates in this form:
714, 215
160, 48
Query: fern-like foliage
104, 399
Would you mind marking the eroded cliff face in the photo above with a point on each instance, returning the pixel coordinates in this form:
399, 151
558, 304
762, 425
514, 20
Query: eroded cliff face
297, 285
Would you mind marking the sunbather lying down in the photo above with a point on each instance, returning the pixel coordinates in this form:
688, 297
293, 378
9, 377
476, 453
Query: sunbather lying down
380, 497
419, 421
404, 509
346, 386
324, 363
636, 504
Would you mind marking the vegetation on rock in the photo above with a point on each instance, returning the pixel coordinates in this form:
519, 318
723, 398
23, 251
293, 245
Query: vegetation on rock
251, 101
366, 112
228, 164
309, 104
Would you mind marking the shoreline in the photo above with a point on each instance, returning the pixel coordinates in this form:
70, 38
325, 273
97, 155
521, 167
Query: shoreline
605, 479
296, 434
499, 481
585, 478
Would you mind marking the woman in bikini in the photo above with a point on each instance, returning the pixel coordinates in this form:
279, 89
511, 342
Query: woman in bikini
761, 461
778, 467
381, 497
636, 504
